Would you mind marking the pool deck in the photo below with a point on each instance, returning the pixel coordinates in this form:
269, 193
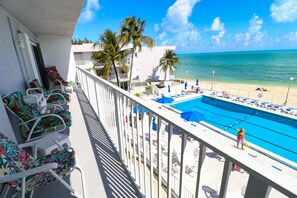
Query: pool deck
238, 179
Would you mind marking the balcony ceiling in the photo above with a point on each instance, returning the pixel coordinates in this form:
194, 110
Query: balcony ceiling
46, 17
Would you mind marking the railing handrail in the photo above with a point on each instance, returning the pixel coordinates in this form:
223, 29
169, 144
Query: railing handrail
282, 182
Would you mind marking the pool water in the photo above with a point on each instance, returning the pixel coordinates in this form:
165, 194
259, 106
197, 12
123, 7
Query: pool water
272, 132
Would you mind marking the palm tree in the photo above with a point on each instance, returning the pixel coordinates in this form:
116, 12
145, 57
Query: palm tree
168, 62
111, 52
131, 31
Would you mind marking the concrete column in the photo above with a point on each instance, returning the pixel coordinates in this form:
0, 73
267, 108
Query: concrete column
256, 188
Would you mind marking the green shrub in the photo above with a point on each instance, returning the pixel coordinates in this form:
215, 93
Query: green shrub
148, 90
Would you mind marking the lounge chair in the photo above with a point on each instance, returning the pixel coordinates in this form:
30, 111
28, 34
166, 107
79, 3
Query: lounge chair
226, 95
33, 122
288, 110
24, 173
252, 102
54, 96
54, 75
263, 104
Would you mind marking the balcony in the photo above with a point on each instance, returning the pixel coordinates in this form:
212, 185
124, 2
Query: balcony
179, 160
120, 158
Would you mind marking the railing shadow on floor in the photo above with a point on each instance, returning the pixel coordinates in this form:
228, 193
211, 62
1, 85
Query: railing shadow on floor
115, 177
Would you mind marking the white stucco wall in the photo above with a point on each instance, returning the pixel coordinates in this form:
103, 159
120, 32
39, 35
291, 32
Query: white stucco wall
13, 74
57, 52
10, 67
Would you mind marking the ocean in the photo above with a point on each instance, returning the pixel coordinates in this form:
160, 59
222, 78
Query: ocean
273, 67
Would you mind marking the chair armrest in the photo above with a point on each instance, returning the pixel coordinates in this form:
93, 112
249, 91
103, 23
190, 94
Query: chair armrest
26, 173
34, 89
56, 90
54, 106
40, 117
62, 86
37, 120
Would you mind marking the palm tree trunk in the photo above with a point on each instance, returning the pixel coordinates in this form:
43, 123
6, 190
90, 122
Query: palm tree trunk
116, 73
165, 75
131, 69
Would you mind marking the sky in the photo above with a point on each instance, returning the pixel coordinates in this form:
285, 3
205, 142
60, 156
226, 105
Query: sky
195, 26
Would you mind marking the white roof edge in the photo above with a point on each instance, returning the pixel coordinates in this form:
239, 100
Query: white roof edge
88, 47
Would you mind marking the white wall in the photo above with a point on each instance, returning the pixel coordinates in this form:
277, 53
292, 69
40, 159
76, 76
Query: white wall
10, 68
13, 74
57, 52
146, 62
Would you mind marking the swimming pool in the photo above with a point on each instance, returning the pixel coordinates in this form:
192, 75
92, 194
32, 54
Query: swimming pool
275, 133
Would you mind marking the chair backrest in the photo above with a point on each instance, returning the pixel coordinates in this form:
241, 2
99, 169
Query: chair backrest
35, 84
13, 159
16, 104
54, 75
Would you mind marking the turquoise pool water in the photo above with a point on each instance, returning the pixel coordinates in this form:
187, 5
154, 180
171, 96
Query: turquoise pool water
275, 133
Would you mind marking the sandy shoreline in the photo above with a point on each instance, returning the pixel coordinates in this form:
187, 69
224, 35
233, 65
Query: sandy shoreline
274, 94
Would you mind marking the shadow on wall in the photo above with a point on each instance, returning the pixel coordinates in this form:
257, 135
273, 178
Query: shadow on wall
154, 75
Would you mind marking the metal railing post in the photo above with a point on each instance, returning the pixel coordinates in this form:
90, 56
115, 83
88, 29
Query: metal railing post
182, 164
202, 150
225, 178
117, 114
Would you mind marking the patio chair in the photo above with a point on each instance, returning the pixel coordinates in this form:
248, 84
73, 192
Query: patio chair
32, 121
22, 172
54, 75
54, 96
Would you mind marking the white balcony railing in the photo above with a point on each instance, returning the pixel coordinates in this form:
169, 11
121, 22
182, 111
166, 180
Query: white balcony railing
147, 163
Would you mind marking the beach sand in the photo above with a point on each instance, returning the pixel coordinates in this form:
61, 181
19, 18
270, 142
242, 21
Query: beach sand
274, 94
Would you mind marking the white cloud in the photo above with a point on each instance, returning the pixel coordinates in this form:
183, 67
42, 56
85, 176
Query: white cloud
292, 37
89, 11
176, 25
217, 25
254, 35
255, 25
284, 10
162, 36
241, 39
216, 40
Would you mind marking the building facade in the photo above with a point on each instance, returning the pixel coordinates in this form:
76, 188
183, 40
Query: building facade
144, 65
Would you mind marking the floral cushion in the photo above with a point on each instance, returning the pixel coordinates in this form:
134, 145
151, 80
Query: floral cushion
56, 98
55, 76
53, 121
35, 84
14, 101
27, 112
65, 160
14, 160
53, 99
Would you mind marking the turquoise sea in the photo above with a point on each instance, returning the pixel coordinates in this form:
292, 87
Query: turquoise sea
273, 67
